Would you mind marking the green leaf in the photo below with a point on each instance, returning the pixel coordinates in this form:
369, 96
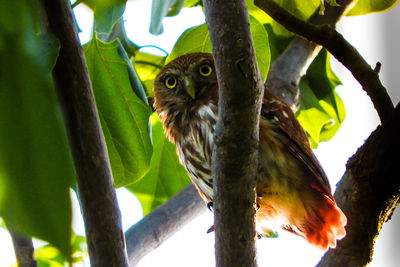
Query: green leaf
103, 4
46, 41
50, 256
147, 67
363, 7
124, 116
299, 8
166, 176
160, 9
36, 169
197, 39
192, 3
105, 19
321, 110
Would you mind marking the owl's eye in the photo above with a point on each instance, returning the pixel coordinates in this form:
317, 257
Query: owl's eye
205, 70
170, 82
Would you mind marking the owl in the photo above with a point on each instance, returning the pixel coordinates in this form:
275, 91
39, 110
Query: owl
293, 192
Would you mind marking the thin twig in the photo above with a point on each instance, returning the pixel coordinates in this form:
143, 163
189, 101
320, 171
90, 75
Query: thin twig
335, 43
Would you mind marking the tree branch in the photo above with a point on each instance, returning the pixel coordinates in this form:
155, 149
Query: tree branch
24, 251
285, 73
162, 223
368, 194
340, 49
95, 185
237, 132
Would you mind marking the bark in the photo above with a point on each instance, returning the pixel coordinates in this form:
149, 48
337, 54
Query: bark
162, 223
235, 152
95, 184
24, 251
334, 42
285, 73
368, 194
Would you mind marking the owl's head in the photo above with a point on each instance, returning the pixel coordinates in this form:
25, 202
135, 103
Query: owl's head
185, 81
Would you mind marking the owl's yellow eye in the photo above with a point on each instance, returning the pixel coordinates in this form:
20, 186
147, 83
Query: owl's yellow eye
205, 70
170, 82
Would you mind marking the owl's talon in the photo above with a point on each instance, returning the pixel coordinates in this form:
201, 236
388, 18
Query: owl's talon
210, 206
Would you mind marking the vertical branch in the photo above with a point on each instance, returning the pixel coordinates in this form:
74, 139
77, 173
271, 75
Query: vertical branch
24, 251
235, 154
95, 185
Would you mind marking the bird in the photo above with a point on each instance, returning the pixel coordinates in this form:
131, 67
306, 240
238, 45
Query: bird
292, 189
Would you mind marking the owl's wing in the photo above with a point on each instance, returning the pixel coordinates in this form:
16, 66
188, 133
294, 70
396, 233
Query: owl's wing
294, 138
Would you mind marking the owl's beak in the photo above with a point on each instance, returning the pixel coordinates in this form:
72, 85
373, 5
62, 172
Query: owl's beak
190, 87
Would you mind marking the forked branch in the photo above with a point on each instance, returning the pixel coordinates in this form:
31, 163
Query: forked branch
335, 43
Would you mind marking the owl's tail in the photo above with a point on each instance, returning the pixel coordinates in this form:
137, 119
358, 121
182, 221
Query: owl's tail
324, 224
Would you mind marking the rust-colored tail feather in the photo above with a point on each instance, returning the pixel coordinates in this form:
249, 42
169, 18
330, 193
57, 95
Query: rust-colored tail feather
325, 224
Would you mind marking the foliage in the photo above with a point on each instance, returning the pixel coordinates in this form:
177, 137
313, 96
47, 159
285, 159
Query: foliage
123, 115
35, 164
49, 256
363, 7
197, 39
166, 176
35, 182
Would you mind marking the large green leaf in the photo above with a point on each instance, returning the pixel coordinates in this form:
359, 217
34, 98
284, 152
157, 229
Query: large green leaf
197, 39
161, 9
321, 110
124, 115
147, 67
363, 7
166, 176
36, 169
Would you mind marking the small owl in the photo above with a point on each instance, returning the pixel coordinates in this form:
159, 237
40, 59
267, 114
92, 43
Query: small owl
293, 192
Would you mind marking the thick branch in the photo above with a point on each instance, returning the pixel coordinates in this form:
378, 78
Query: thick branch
236, 135
162, 223
285, 73
340, 49
368, 194
95, 185
24, 251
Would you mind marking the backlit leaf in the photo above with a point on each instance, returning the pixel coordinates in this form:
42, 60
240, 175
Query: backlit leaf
166, 176
147, 67
321, 109
124, 115
197, 39
363, 7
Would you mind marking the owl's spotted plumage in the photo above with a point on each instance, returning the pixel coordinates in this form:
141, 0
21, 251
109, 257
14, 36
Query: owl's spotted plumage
293, 192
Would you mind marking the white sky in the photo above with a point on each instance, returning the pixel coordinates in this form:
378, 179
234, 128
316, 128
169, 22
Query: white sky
192, 246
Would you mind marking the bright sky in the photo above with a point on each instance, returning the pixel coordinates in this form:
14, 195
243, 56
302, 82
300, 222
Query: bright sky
192, 246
